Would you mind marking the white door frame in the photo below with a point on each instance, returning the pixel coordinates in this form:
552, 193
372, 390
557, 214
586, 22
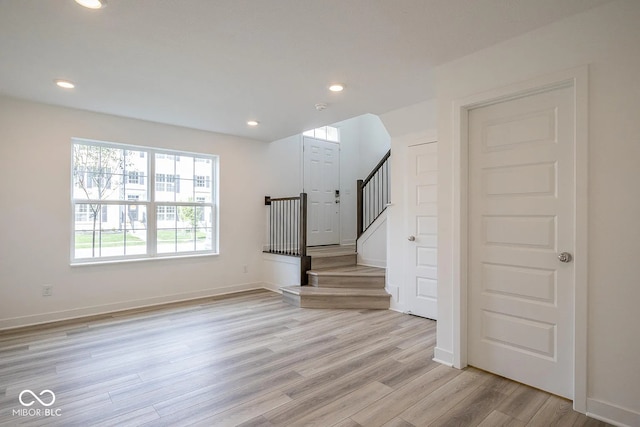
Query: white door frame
578, 79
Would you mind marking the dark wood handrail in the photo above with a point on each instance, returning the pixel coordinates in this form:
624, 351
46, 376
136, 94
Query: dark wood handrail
372, 199
268, 199
376, 169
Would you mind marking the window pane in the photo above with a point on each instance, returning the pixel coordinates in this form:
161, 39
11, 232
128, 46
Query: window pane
186, 231
204, 216
166, 240
183, 228
184, 189
185, 239
204, 239
166, 228
166, 185
184, 167
136, 176
332, 134
98, 172
136, 227
109, 230
204, 228
321, 133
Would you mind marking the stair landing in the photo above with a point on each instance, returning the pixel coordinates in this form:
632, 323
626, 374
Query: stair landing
314, 297
348, 276
336, 281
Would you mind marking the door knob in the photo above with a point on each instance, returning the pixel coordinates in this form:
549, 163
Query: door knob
412, 238
565, 257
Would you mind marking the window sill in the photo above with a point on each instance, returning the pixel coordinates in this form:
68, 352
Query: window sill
129, 260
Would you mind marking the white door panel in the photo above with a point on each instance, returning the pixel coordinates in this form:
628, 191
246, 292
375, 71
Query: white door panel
422, 196
521, 215
321, 180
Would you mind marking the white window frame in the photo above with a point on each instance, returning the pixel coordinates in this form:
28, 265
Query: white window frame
150, 204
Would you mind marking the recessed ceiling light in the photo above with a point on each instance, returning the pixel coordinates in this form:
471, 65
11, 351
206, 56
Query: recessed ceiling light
92, 4
253, 123
336, 87
65, 84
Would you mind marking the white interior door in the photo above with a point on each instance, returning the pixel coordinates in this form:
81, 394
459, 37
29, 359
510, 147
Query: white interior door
521, 217
322, 184
422, 187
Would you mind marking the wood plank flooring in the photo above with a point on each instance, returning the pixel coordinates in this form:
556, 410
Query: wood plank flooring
251, 360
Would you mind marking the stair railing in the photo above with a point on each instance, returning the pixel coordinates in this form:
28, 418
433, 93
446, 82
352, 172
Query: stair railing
287, 229
373, 194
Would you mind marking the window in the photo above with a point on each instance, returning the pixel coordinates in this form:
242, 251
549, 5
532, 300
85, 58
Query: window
328, 133
112, 201
202, 181
166, 182
82, 213
135, 177
166, 213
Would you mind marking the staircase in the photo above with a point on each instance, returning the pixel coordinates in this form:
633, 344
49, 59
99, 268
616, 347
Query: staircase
336, 281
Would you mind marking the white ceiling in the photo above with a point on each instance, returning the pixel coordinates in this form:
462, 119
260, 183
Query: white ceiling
214, 64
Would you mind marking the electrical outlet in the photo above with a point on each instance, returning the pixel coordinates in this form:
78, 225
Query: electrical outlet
245, 269
47, 290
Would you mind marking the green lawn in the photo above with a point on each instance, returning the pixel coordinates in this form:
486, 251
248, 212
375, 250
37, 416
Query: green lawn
116, 238
109, 239
182, 236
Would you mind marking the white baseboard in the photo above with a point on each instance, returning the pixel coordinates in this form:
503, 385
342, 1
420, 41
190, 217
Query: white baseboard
612, 414
37, 319
380, 263
273, 287
443, 356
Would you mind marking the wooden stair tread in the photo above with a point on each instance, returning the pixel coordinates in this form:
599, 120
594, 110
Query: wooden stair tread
346, 292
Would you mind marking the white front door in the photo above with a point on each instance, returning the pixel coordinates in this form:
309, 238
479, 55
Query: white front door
322, 185
521, 217
422, 191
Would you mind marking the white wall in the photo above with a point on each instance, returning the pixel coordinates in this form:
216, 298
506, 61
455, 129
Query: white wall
284, 167
35, 219
608, 39
372, 245
408, 126
375, 141
363, 142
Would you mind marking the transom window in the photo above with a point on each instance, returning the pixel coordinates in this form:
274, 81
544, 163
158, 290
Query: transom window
328, 133
132, 202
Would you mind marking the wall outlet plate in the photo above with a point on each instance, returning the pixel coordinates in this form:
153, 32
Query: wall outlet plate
47, 290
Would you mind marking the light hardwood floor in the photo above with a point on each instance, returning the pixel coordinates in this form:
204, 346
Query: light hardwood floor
251, 360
